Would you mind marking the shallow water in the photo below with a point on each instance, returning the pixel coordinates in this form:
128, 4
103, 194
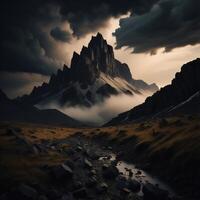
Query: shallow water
141, 176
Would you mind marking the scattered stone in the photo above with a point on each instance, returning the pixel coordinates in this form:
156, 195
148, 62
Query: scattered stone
79, 148
61, 172
77, 185
103, 187
35, 150
125, 191
92, 154
93, 172
91, 182
70, 164
87, 163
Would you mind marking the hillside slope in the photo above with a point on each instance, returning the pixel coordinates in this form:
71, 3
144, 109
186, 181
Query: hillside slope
12, 111
183, 88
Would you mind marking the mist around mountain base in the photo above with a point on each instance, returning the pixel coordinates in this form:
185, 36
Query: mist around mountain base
100, 113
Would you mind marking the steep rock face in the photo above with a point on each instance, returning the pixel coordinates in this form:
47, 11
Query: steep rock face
185, 84
94, 75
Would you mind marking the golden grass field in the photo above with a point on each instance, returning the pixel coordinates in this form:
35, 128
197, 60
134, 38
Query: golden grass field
170, 145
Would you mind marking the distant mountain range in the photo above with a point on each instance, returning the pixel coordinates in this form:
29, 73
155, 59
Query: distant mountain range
93, 76
182, 96
13, 111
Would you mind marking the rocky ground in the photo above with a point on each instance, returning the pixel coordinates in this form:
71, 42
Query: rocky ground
66, 168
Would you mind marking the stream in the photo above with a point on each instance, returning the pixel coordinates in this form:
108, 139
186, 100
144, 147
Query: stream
139, 175
87, 149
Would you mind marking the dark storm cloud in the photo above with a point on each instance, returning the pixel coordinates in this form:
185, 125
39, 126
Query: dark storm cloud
27, 27
24, 43
87, 16
19, 83
169, 24
61, 35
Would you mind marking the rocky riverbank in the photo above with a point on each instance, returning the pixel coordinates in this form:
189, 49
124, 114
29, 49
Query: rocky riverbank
83, 170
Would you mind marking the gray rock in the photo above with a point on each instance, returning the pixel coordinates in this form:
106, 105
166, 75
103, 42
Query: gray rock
93, 172
70, 164
125, 191
103, 187
79, 148
91, 182
77, 185
61, 172
87, 163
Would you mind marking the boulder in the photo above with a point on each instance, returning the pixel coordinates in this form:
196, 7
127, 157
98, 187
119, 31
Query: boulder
91, 182
110, 172
103, 187
70, 164
125, 191
87, 163
92, 172
62, 172
77, 185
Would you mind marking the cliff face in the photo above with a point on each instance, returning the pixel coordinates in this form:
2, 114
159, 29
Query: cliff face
94, 75
184, 90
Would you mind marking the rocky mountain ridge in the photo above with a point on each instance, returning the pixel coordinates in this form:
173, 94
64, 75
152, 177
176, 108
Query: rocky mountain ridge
179, 97
94, 75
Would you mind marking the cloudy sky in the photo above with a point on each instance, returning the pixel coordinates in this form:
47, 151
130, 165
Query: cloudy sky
154, 37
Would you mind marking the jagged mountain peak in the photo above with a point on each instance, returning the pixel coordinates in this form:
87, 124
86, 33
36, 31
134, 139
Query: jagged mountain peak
93, 75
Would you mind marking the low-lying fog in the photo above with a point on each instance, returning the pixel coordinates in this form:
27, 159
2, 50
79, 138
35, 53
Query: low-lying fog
99, 113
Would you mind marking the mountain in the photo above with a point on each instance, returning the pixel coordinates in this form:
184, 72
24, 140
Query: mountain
93, 76
14, 111
182, 96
